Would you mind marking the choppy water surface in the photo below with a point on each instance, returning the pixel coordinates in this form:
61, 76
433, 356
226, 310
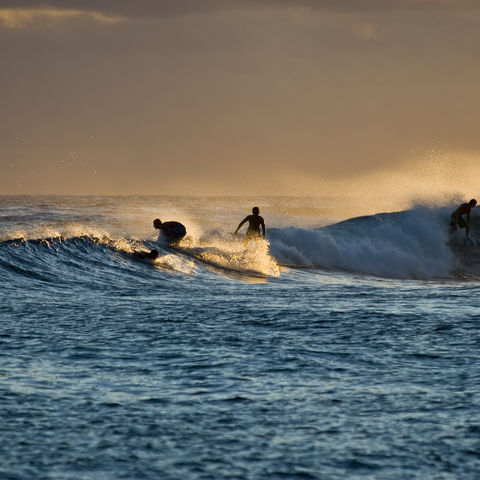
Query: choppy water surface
217, 362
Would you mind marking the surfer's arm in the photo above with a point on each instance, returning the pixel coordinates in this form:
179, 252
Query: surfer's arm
263, 228
240, 224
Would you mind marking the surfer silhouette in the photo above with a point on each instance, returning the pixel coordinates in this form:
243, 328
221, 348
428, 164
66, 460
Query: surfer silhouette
254, 223
152, 255
460, 218
173, 232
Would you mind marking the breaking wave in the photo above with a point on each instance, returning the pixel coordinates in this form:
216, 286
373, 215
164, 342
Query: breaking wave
413, 244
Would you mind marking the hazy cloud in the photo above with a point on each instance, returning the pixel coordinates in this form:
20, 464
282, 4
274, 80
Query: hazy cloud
149, 8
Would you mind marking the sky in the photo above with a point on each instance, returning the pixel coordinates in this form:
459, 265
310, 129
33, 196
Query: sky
253, 97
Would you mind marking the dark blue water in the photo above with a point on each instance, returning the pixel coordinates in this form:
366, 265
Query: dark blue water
205, 366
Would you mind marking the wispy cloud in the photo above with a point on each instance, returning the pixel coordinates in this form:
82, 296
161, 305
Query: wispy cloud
19, 18
152, 8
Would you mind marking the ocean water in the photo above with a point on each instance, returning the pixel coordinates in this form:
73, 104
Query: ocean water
340, 348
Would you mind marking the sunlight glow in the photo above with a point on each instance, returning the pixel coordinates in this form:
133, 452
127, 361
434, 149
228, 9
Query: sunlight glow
432, 178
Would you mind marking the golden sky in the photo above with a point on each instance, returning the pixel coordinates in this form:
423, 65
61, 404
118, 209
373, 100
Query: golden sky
276, 97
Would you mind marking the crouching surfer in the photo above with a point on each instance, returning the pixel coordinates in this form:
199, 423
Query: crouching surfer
173, 232
460, 218
255, 221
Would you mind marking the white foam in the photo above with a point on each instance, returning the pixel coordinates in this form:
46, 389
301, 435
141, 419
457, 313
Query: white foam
176, 263
232, 253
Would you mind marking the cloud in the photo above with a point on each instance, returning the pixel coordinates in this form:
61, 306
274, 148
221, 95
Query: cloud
18, 18
159, 8
22, 14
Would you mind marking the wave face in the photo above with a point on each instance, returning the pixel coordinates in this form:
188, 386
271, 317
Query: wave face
102, 261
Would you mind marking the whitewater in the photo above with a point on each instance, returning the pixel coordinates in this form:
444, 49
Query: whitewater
342, 346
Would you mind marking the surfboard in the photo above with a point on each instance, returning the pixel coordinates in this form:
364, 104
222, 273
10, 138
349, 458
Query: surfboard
297, 267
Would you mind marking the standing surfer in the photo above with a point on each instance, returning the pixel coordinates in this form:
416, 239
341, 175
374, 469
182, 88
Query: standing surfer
254, 223
458, 221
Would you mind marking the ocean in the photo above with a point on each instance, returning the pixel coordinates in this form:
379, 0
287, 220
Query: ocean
342, 347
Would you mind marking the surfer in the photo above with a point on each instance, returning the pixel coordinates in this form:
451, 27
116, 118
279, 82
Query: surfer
172, 231
152, 255
458, 221
254, 223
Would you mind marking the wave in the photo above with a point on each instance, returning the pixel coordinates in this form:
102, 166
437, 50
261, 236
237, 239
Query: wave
58, 258
63, 262
413, 244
